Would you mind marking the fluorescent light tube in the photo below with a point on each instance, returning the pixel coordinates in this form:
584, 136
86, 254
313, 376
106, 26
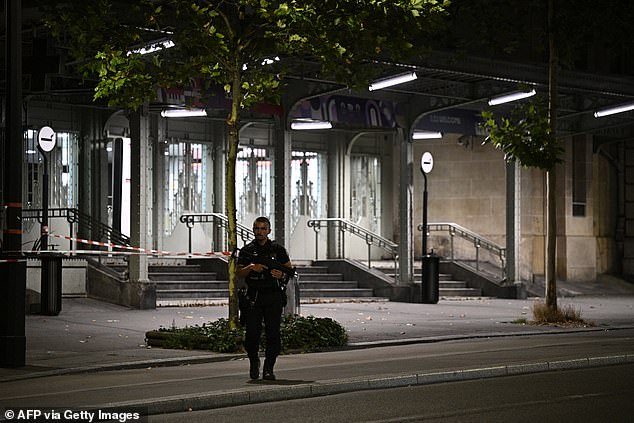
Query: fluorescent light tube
151, 48
614, 110
314, 124
395, 80
426, 135
169, 113
511, 97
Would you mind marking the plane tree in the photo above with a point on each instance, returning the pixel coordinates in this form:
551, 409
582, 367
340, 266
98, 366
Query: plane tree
564, 34
243, 46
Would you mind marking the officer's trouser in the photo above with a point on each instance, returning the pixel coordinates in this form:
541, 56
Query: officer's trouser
267, 309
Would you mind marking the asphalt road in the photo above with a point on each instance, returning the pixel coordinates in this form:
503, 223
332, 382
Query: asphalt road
191, 386
601, 395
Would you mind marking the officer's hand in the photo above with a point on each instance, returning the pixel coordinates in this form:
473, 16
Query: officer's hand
277, 274
257, 267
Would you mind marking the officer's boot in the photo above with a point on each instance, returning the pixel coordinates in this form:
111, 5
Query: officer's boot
267, 370
254, 367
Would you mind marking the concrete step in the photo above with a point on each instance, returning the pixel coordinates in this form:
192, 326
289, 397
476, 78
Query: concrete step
190, 276
191, 293
312, 284
169, 285
452, 284
336, 292
185, 268
311, 269
320, 276
459, 292
441, 277
187, 285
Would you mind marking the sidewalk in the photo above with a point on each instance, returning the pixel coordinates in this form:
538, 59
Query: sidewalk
92, 336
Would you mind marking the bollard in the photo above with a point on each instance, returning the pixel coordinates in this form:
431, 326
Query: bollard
430, 288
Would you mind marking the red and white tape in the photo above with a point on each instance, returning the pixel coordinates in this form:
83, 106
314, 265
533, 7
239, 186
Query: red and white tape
131, 250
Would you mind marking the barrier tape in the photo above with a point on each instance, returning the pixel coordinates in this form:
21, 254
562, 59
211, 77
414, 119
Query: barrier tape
133, 250
12, 260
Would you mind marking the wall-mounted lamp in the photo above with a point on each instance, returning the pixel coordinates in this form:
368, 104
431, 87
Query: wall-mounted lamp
169, 113
394, 80
511, 97
614, 110
426, 135
310, 124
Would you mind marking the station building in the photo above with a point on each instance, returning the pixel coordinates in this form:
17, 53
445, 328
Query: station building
352, 191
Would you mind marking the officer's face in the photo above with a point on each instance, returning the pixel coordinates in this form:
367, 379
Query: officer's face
261, 231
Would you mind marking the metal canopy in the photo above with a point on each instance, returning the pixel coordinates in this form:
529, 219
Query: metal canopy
446, 80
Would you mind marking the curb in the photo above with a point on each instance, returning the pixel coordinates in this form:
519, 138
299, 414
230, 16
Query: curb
180, 361
232, 398
162, 362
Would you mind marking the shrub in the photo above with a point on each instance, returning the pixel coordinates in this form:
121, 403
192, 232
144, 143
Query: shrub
311, 333
215, 336
544, 314
298, 334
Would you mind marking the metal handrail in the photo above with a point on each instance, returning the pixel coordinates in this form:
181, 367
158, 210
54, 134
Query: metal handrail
98, 229
478, 241
217, 219
371, 238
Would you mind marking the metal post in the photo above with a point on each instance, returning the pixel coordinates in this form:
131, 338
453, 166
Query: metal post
429, 263
44, 224
424, 252
452, 236
342, 231
316, 229
189, 228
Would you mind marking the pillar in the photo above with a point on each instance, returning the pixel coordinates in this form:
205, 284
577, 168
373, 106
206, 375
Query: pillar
282, 183
405, 212
13, 287
140, 196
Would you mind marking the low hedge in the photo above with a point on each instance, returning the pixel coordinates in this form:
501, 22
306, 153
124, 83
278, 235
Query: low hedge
298, 333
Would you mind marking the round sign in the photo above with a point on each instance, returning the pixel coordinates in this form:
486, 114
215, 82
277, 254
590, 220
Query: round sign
46, 139
427, 162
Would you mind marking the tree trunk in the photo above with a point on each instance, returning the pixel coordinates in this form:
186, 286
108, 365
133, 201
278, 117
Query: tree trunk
551, 206
230, 192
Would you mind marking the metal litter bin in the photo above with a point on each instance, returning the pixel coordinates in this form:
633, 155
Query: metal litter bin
430, 287
51, 288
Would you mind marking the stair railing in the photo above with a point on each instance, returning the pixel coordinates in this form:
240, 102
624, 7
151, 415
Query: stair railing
453, 229
98, 229
219, 220
371, 238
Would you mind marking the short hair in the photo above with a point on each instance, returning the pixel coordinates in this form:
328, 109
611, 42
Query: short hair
262, 219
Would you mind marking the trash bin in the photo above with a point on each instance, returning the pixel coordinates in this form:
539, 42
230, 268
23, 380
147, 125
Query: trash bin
51, 288
431, 263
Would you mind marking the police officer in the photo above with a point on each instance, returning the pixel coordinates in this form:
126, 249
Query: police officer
265, 297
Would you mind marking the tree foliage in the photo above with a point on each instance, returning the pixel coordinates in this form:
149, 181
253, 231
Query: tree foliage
524, 135
244, 46
222, 40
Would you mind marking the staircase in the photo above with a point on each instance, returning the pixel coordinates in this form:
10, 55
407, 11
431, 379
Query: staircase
186, 285
179, 283
449, 287
317, 284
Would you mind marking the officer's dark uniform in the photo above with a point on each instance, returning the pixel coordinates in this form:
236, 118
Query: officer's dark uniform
267, 301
